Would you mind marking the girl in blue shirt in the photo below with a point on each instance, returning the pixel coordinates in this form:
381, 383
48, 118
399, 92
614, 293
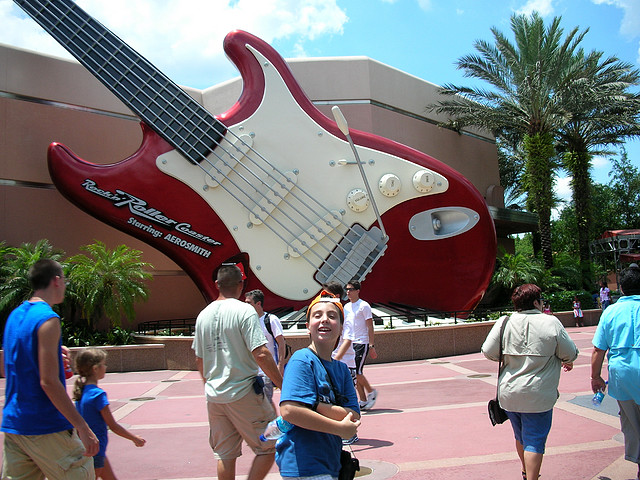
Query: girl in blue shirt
93, 405
318, 398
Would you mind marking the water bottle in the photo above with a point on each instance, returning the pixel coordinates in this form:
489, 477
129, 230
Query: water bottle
598, 397
275, 429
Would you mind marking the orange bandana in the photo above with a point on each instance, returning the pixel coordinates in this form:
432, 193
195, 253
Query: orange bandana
325, 296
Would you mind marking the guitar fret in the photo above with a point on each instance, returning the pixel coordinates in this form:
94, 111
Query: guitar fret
192, 130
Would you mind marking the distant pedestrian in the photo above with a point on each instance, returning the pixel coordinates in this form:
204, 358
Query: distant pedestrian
358, 314
272, 329
605, 295
577, 312
93, 405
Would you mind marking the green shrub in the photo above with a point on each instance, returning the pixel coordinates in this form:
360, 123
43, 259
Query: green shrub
83, 335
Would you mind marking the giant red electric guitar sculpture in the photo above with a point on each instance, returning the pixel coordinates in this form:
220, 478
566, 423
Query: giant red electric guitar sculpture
272, 183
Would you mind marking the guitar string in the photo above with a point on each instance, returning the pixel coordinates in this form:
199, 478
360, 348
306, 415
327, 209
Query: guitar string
113, 56
204, 121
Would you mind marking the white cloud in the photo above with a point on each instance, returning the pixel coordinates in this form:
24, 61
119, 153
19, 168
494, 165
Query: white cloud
543, 7
600, 161
630, 25
424, 5
184, 37
562, 187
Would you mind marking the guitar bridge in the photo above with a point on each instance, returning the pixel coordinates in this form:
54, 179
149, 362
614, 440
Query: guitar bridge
354, 257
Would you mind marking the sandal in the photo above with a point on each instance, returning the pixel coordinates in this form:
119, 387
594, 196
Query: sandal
524, 475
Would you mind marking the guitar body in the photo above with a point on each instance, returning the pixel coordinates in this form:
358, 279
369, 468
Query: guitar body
282, 194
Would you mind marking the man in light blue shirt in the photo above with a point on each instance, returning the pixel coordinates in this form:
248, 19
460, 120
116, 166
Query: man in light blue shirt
618, 333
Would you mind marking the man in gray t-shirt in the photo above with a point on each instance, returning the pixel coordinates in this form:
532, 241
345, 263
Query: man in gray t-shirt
229, 346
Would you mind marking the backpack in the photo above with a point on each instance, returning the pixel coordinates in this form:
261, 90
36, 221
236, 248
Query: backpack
267, 325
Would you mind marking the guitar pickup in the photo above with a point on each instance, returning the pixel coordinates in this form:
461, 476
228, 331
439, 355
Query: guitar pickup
272, 199
316, 233
354, 257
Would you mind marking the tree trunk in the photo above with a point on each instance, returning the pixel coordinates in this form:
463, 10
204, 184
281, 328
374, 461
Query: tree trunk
578, 164
539, 185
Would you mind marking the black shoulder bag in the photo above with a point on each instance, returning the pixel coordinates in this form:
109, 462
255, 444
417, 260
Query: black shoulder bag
349, 464
496, 412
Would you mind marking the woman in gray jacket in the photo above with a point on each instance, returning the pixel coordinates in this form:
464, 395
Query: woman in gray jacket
535, 347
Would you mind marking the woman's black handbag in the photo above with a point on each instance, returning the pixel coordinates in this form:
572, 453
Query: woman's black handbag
496, 412
349, 465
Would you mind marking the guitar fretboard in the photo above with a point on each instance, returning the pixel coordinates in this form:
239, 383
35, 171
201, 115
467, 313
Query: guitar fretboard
158, 101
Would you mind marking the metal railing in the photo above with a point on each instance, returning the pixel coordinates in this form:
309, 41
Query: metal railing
400, 314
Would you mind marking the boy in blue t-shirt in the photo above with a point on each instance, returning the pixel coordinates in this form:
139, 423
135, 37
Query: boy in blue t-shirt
318, 398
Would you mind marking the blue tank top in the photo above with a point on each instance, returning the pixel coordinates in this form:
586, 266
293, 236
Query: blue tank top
27, 409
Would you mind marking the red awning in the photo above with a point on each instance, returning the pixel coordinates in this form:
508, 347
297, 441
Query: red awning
618, 233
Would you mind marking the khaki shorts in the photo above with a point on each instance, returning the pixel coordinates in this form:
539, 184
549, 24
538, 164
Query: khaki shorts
630, 426
54, 455
245, 419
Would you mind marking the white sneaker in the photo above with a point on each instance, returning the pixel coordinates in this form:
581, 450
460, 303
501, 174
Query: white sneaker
351, 440
371, 399
363, 404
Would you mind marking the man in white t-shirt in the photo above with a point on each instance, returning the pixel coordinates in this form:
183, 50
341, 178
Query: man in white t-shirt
358, 314
275, 338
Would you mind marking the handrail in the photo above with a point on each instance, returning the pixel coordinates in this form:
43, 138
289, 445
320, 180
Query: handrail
407, 314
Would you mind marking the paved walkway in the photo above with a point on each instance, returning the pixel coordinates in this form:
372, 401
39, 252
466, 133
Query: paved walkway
430, 422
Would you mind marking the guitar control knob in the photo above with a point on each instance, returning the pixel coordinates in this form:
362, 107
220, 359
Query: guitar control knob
358, 200
423, 181
389, 185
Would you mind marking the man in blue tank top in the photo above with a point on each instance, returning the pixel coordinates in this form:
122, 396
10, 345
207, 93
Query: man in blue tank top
44, 435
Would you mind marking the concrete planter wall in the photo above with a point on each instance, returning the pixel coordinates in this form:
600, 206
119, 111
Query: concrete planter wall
130, 358
393, 345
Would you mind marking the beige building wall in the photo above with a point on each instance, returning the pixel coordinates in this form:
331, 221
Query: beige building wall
45, 99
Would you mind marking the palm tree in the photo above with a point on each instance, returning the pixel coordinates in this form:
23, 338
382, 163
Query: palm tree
601, 112
517, 269
108, 282
14, 269
525, 105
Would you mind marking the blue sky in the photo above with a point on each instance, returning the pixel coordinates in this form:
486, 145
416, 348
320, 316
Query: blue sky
183, 38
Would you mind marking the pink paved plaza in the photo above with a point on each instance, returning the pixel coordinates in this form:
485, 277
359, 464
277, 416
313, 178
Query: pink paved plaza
430, 422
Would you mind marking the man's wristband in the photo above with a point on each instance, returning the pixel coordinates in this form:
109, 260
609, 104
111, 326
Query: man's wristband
372, 346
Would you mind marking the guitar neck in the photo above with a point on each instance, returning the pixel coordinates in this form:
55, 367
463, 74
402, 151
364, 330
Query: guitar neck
158, 101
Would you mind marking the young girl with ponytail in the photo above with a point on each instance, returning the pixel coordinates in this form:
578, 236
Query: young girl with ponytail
93, 405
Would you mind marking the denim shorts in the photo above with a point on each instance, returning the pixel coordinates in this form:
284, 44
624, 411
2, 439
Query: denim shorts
98, 461
531, 429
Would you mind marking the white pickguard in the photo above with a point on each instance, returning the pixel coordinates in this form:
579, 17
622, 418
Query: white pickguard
281, 134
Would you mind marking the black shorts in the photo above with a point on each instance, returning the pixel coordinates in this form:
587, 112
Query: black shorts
361, 350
